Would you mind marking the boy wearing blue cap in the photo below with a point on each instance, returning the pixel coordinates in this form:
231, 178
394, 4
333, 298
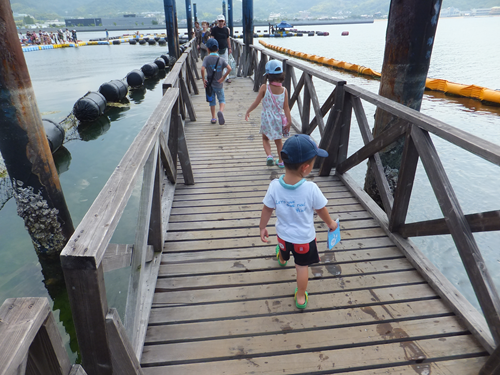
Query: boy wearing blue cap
295, 201
214, 66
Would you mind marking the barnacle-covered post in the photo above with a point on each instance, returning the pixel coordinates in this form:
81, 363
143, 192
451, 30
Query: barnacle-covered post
25, 149
410, 35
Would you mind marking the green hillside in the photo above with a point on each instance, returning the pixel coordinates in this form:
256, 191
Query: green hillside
208, 9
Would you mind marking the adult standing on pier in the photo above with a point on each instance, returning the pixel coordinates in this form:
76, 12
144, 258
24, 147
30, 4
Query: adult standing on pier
221, 34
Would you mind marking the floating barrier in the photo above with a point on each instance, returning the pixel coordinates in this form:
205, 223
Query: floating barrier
90, 107
160, 63
55, 134
150, 69
483, 94
135, 78
344, 33
114, 90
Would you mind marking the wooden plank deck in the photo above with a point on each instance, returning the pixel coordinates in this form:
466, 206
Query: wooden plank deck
223, 305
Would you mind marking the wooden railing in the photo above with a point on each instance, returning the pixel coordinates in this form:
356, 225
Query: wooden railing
107, 346
30, 341
414, 127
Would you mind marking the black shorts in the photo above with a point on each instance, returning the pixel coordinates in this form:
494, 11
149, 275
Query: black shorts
303, 254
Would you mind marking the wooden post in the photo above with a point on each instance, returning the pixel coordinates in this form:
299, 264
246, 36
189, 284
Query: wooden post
170, 25
189, 17
26, 151
230, 18
247, 35
410, 37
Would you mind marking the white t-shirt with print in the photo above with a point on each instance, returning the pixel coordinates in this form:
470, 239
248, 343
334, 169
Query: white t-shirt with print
295, 209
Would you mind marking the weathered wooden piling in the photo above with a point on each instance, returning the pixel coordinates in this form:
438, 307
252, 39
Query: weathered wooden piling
25, 149
409, 40
247, 36
189, 17
230, 22
170, 26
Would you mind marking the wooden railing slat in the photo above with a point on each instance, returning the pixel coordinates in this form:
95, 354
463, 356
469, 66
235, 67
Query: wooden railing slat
375, 161
140, 244
406, 177
155, 232
186, 98
297, 87
183, 154
327, 105
460, 231
481, 222
306, 106
125, 361
316, 106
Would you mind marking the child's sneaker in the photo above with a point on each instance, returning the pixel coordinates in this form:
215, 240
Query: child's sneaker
280, 165
270, 161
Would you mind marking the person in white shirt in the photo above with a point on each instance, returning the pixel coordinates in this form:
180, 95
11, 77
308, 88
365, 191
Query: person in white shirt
295, 200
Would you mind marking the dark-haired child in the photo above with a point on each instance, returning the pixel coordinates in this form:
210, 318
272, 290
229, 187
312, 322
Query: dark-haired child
274, 99
295, 199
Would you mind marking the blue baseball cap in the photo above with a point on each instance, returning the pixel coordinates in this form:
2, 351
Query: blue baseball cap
301, 148
211, 43
274, 67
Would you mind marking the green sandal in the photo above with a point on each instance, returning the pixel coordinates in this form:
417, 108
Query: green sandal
296, 303
278, 256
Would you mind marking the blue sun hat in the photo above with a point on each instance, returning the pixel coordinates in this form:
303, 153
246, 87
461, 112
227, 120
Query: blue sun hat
301, 148
211, 44
274, 67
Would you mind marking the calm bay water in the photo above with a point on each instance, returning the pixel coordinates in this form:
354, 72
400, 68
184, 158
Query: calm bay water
464, 52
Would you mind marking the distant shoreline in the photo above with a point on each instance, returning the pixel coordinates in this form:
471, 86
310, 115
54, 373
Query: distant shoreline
184, 26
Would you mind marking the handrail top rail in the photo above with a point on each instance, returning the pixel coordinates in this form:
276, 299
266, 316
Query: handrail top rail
86, 247
469, 142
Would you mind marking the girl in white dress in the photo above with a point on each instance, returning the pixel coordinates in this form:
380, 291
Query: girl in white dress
275, 119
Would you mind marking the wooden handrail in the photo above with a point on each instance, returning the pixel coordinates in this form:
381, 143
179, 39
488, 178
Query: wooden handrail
414, 127
106, 345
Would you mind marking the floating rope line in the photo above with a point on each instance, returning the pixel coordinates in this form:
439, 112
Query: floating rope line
485, 95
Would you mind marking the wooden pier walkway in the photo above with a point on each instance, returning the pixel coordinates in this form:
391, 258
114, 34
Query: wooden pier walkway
222, 304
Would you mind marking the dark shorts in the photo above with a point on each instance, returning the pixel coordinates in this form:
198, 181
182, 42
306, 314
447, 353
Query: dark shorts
303, 254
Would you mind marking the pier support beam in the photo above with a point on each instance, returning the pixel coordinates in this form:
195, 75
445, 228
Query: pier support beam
170, 21
25, 149
230, 22
189, 17
247, 36
195, 13
409, 40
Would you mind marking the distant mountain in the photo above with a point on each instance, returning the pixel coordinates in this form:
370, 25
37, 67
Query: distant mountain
208, 9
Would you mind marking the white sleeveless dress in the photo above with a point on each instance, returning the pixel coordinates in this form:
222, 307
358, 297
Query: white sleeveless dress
270, 120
